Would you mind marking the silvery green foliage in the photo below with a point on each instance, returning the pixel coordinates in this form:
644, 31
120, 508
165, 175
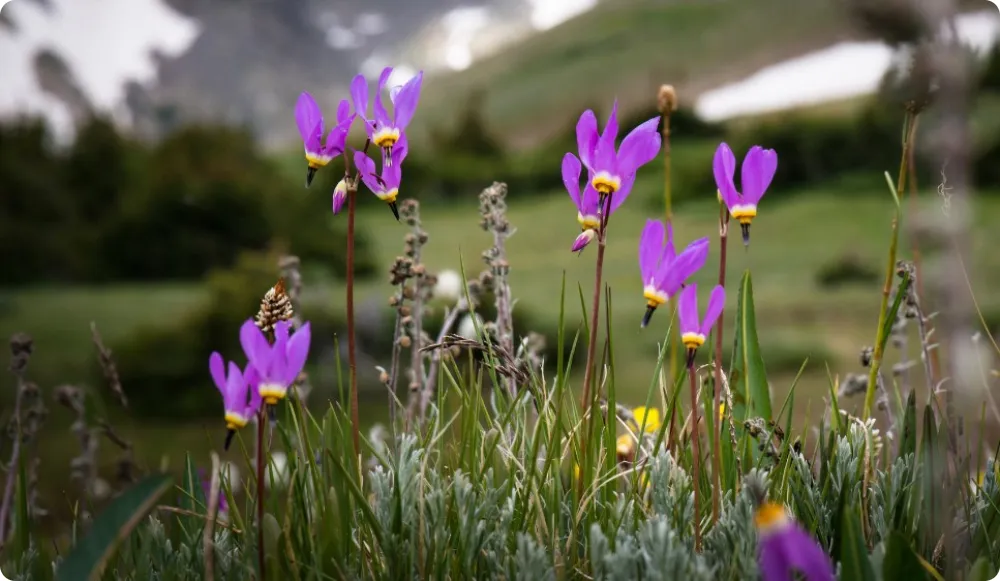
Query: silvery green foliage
986, 495
531, 561
731, 545
809, 507
890, 495
667, 557
671, 492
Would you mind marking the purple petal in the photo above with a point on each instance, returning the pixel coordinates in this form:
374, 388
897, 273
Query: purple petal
400, 150
297, 351
671, 275
571, 178
406, 101
716, 301
605, 158
281, 332
381, 116
307, 115
344, 114
619, 197
366, 168
758, 170
668, 247
724, 168
359, 95
252, 378
588, 205
339, 197
314, 143
392, 175
650, 248
255, 345
639, 147
795, 549
582, 240
687, 309
236, 389
586, 137
217, 369
771, 561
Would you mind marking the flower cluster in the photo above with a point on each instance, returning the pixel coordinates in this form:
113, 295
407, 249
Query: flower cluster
385, 131
610, 173
271, 369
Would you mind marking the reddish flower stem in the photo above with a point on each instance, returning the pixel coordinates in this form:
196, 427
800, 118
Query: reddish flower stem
696, 455
261, 428
717, 436
352, 358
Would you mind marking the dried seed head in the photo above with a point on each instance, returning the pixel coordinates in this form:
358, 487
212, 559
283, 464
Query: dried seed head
275, 306
21, 347
408, 293
393, 301
404, 311
383, 376
666, 99
405, 342
414, 387
407, 320
419, 269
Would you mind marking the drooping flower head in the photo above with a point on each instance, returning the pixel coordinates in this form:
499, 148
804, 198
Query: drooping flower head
236, 387
385, 131
277, 365
309, 118
693, 332
757, 172
588, 212
386, 185
663, 272
783, 547
609, 169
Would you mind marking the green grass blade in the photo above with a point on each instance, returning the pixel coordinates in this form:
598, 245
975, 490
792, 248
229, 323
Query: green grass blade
751, 397
89, 557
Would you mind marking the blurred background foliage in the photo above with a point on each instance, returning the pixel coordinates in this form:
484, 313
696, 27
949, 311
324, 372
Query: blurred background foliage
209, 210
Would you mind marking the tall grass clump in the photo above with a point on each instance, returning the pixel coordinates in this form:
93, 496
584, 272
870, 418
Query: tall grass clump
492, 466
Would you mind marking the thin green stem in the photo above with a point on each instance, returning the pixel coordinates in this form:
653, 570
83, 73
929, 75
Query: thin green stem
352, 356
261, 429
909, 130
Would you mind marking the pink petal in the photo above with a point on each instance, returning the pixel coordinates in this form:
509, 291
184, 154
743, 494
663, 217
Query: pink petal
687, 309
359, 95
307, 115
255, 345
217, 369
586, 137
639, 147
571, 177
650, 249
716, 301
406, 101
758, 170
297, 351
724, 168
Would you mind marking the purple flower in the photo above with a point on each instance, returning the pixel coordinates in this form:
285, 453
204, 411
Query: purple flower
385, 186
610, 169
235, 388
206, 488
663, 272
784, 547
588, 213
309, 118
759, 166
693, 332
384, 131
278, 365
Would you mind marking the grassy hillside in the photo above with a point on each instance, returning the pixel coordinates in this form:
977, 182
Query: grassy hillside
626, 49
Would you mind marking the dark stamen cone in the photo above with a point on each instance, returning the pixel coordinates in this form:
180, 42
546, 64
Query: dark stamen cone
229, 438
691, 353
746, 234
310, 174
388, 156
272, 413
395, 210
649, 313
